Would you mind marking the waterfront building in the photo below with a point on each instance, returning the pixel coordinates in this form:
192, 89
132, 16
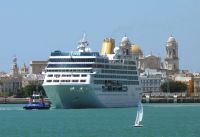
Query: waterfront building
196, 77
37, 67
10, 82
151, 80
149, 62
34, 78
36, 73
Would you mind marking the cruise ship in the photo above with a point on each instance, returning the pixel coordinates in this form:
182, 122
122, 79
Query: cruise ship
86, 79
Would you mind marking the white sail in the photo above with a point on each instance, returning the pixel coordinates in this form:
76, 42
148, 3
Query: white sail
139, 114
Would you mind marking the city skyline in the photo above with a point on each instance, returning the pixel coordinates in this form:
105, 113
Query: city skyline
31, 30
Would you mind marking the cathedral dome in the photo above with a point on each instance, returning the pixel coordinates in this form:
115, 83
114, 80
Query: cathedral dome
171, 39
135, 49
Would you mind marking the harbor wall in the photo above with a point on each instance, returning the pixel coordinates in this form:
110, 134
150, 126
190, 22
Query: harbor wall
17, 100
144, 100
171, 100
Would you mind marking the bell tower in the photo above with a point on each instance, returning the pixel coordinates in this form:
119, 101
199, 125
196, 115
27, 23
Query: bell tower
172, 60
125, 46
14, 68
24, 70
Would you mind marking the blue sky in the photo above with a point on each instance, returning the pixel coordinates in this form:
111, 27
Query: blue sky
32, 29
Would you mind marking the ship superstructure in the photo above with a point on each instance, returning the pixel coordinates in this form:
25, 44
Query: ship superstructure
85, 79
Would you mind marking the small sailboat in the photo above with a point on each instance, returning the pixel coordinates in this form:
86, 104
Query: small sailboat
139, 115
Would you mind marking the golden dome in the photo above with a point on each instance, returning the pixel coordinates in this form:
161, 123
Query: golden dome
135, 49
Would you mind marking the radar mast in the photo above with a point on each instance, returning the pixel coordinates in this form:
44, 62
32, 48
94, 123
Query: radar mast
82, 44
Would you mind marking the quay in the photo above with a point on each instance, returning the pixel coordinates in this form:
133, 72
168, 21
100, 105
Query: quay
153, 99
11, 100
171, 99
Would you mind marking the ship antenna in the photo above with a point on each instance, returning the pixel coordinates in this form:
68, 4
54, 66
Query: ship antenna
83, 43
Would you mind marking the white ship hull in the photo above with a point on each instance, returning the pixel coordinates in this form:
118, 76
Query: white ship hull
89, 96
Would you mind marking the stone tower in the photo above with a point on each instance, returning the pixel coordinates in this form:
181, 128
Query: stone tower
171, 62
24, 70
125, 46
14, 69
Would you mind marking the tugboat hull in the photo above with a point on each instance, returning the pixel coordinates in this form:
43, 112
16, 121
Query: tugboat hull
36, 106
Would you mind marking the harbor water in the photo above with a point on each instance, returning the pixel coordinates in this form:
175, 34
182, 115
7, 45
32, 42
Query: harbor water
160, 120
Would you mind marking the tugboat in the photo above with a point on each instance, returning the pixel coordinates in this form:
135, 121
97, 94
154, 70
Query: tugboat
36, 101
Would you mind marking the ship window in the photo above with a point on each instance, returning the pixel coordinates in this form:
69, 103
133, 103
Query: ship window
68, 65
70, 70
49, 81
66, 75
50, 75
83, 75
71, 60
82, 80
98, 81
55, 80
65, 80
74, 80
57, 76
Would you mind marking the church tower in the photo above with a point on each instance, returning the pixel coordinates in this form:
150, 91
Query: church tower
24, 70
171, 62
14, 69
125, 47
